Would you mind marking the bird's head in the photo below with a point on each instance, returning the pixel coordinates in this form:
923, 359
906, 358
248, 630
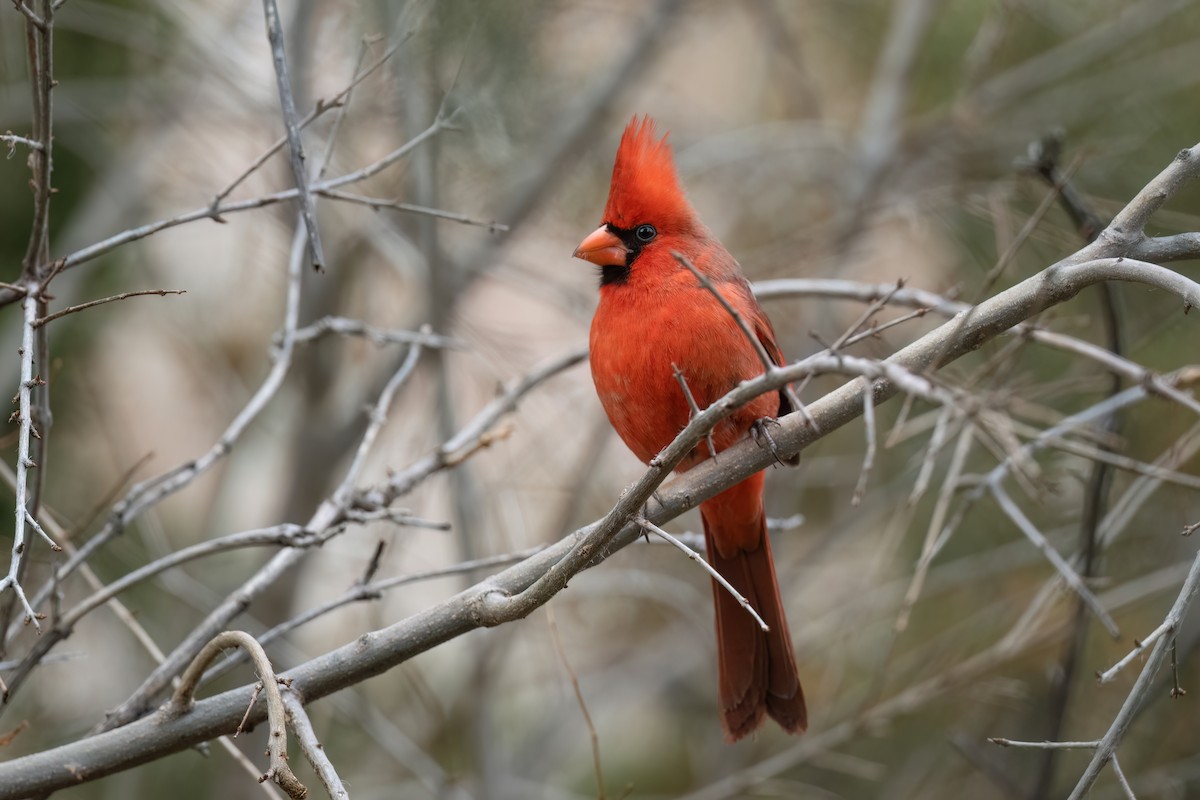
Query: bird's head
646, 210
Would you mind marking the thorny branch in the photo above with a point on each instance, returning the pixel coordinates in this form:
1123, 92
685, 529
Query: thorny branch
1107, 748
25, 463
505, 596
311, 746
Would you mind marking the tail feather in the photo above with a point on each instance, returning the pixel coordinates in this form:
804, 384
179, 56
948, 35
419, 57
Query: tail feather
757, 669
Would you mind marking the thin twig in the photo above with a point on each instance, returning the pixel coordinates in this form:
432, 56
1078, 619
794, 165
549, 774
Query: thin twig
363, 591
287, 104
40, 54
1177, 691
1064, 569
755, 342
284, 535
1044, 745
209, 212
12, 140
704, 565
410, 208
255, 693
1122, 780
938, 533
936, 441
1140, 646
1141, 688
692, 407
864, 474
344, 326
40, 531
31, 15
378, 417
72, 309
587, 717
322, 106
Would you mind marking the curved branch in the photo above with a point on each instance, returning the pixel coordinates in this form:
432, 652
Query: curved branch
183, 701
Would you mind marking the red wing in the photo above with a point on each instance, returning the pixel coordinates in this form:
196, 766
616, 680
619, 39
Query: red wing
766, 335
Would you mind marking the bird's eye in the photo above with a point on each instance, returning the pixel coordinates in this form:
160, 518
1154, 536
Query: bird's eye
645, 233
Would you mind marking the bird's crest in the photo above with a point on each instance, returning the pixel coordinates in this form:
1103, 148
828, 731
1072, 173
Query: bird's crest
644, 186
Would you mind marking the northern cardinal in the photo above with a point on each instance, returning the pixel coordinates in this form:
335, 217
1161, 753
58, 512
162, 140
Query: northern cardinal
655, 316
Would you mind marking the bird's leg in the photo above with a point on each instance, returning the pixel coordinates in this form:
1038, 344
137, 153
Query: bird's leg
761, 434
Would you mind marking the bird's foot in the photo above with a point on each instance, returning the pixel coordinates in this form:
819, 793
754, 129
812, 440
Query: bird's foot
760, 431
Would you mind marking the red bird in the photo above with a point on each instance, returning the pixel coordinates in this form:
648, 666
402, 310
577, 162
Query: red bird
654, 316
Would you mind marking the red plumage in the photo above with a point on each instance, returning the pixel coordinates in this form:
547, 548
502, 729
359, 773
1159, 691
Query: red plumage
654, 316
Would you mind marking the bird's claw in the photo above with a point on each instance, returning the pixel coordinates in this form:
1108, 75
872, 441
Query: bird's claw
760, 432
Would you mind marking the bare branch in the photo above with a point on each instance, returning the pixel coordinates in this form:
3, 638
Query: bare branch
287, 105
410, 208
148, 493
26, 432
1121, 779
183, 701
473, 436
692, 407
30, 15
322, 106
587, 717
39, 45
1140, 646
1179, 247
1039, 541
363, 591
1045, 745
72, 309
864, 474
1141, 688
704, 565
212, 212
284, 535
938, 532
12, 140
312, 748
341, 495
327, 326
879, 133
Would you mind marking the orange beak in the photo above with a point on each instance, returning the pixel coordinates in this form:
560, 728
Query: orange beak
603, 248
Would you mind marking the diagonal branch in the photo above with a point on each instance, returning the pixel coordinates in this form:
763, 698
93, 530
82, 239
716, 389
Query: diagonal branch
1107, 749
287, 104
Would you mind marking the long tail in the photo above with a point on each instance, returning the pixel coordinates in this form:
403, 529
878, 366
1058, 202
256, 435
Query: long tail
757, 669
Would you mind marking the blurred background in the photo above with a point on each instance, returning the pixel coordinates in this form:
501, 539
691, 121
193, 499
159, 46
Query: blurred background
863, 140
